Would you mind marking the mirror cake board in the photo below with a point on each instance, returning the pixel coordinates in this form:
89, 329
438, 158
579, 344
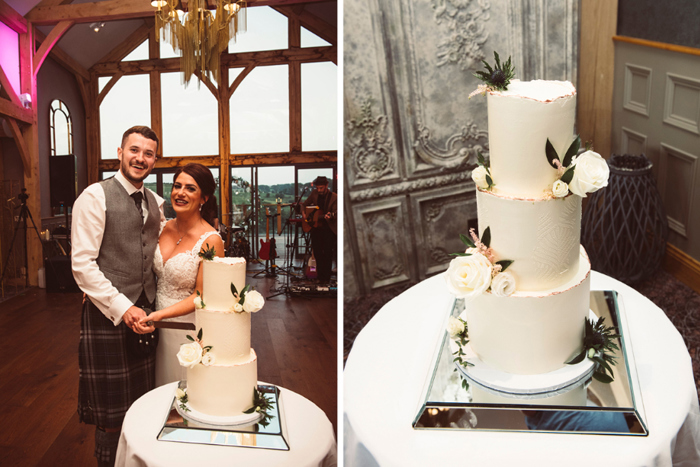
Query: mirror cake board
454, 399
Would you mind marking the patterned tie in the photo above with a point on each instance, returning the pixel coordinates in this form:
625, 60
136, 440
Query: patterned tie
138, 197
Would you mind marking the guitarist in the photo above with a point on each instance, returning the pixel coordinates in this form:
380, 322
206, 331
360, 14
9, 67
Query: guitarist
324, 236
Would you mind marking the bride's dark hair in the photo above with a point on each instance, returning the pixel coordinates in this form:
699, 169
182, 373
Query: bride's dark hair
207, 184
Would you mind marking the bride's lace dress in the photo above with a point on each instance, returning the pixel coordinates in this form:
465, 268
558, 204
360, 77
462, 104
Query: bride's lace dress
177, 278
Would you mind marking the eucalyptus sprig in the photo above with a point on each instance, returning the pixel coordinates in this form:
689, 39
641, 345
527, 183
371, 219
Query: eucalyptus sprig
599, 346
182, 400
499, 76
208, 253
461, 339
263, 405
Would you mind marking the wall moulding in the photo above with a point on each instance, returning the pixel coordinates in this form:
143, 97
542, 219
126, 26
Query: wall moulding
411, 186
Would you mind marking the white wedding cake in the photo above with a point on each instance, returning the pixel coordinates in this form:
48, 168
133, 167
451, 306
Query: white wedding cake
221, 365
524, 276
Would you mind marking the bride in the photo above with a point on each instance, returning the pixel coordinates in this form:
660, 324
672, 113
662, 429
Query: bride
177, 262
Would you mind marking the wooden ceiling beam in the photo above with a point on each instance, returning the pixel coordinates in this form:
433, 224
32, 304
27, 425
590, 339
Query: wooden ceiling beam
242, 60
63, 59
10, 109
54, 36
130, 43
110, 10
313, 23
12, 19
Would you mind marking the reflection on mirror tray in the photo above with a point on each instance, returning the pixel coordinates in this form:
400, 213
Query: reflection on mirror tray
455, 399
270, 434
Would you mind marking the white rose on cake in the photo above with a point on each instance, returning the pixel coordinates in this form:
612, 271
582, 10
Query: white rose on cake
560, 189
198, 303
591, 174
237, 307
479, 177
190, 354
469, 275
179, 393
208, 359
454, 327
503, 284
254, 301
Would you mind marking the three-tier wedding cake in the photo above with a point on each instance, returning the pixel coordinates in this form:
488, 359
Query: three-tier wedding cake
524, 276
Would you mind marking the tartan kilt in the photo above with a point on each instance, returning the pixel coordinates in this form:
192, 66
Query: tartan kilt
111, 378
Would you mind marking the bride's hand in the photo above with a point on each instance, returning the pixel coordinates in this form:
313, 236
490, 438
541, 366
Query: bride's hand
155, 316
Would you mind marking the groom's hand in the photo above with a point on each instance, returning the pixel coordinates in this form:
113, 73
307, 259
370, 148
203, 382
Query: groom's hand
131, 318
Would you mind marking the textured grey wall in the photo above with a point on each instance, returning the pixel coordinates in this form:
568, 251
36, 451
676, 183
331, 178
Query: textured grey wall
411, 133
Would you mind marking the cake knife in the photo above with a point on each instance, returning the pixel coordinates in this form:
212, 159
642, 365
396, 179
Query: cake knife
172, 325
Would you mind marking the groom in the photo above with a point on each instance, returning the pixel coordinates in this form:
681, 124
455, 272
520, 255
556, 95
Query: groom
115, 225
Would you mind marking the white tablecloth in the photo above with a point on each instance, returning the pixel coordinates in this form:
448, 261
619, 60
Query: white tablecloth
386, 371
310, 437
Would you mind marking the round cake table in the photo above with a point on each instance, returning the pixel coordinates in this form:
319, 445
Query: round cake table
391, 357
309, 434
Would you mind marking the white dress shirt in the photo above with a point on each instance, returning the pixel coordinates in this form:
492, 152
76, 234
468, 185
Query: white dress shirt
87, 230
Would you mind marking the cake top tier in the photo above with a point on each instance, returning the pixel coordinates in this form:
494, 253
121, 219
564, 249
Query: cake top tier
226, 260
538, 90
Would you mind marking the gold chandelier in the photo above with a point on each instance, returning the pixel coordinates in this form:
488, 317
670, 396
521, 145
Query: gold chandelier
199, 34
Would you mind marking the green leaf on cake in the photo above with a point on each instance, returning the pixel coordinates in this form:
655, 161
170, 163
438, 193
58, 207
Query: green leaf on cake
489, 180
551, 153
504, 264
459, 254
486, 237
467, 240
480, 158
568, 175
572, 151
577, 359
189, 338
199, 334
234, 291
602, 377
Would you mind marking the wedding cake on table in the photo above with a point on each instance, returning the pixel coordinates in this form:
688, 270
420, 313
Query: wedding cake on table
524, 276
222, 375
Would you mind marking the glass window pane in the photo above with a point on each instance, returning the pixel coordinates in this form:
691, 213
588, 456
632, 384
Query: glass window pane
240, 194
61, 134
305, 177
275, 185
127, 104
168, 179
309, 39
139, 53
190, 118
319, 104
266, 30
166, 50
260, 112
102, 82
9, 55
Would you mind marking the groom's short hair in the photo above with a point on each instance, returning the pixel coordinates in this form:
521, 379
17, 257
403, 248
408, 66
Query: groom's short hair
142, 130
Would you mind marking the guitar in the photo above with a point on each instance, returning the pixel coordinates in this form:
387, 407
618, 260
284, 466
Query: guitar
314, 216
268, 248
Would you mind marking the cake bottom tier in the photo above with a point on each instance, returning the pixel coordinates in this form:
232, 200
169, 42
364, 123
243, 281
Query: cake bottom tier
223, 390
531, 333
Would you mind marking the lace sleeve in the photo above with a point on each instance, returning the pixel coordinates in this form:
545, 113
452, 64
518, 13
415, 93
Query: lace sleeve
162, 226
202, 239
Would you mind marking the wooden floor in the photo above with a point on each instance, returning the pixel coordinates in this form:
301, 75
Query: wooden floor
294, 337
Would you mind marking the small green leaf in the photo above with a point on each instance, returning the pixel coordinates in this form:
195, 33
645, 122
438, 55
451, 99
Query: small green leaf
460, 254
467, 240
486, 237
489, 180
190, 337
568, 175
577, 359
602, 377
504, 264
551, 153
199, 334
234, 291
480, 159
572, 151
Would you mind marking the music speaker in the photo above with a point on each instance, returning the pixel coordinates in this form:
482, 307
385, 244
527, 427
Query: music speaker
59, 275
62, 180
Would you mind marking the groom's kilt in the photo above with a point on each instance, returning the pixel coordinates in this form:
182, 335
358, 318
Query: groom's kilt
111, 378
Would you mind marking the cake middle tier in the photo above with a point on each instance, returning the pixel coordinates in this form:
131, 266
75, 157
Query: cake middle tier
228, 334
540, 236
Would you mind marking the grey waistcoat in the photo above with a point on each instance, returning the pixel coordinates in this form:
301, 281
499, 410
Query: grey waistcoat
128, 245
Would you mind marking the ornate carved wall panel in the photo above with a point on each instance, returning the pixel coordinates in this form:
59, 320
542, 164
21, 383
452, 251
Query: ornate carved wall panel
443, 214
383, 236
411, 132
